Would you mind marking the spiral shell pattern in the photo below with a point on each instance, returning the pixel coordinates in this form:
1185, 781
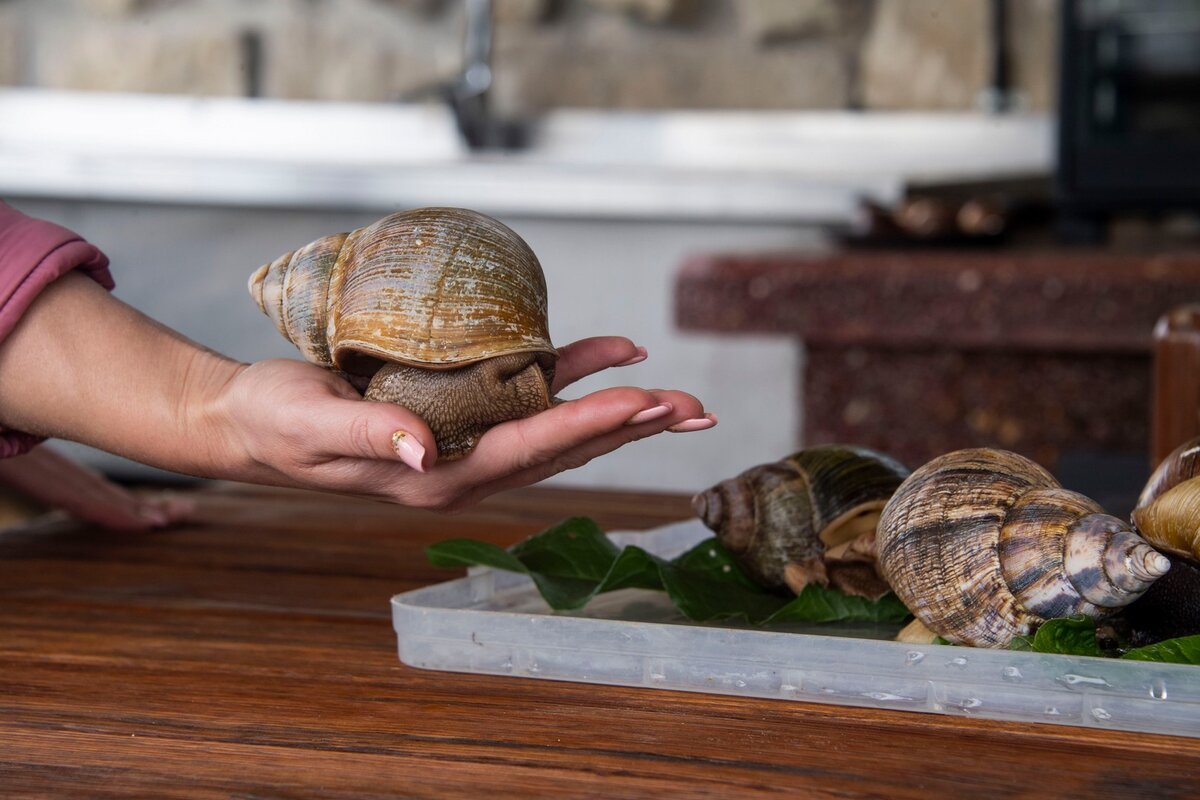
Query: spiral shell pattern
432, 287
984, 545
791, 512
1168, 511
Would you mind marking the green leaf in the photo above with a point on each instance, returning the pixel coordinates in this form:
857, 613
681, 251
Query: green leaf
573, 561
1070, 636
469, 553
818, 604
706, 599
634, 568
1184, 650
711, 559
1023, 643
574, 548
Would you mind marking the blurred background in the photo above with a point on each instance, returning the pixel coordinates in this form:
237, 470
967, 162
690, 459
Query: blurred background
911, 224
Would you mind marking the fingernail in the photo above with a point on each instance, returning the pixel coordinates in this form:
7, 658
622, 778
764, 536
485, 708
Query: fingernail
641, 356
409, 449
650, 413
698, 424
153, 514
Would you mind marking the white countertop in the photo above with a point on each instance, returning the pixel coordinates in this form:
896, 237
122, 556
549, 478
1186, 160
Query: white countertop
753, 166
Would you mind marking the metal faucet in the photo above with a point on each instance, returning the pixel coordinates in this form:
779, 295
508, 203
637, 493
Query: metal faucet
468, 93
469, 96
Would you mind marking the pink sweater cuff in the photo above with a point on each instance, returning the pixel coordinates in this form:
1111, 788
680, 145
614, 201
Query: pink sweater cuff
34, 253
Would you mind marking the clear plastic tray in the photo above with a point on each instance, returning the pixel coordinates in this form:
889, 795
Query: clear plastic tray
496, 623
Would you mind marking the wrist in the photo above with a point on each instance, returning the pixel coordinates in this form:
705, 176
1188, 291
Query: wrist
208, 415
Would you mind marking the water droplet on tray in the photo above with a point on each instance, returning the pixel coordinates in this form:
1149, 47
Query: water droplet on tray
913, 657
1011, 674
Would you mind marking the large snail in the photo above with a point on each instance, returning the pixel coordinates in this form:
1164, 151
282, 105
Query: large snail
441, 310
809, 518
984, 545
1168, 511
1168, 516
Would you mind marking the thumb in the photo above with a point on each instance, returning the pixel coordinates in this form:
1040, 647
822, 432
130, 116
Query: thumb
372, 430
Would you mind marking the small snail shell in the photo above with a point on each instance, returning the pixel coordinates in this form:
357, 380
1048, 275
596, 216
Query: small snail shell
984, 545
807, 518
431, 289
1168, 511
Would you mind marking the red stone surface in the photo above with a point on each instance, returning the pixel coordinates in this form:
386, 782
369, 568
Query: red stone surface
921, 404
918, 353
1071, 300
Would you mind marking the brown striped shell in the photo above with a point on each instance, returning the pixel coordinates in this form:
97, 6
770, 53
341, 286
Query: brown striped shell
984, 545
444, 289
808, 518
430, 287
1168, 511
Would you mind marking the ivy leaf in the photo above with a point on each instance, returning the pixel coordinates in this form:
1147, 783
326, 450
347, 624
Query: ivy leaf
1184, 650
818, 604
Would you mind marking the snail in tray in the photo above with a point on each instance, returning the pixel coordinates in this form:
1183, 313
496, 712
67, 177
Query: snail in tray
441, 310
1168, 516
1168, 510
808, 518
984, 545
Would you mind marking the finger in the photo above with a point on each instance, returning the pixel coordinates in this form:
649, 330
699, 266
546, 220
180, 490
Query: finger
684, 408
588, 356
343, 428
521, 444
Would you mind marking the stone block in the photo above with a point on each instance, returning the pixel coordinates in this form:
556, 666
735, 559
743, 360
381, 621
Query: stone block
609, 63
115, 8
12, 47
780, 20
1033, 45
520, 12
130, 57
651, 11
366, 56
926, 54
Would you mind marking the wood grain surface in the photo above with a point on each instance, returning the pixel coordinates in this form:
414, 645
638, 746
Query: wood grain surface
251, 654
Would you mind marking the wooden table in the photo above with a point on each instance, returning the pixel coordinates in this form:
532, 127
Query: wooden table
251, 655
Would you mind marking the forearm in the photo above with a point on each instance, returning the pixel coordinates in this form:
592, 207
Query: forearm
84, 366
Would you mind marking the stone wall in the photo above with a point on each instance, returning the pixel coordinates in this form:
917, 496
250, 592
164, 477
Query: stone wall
733, 54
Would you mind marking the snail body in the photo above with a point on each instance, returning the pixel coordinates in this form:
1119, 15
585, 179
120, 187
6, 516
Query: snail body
442, 310
808, 518
984, 545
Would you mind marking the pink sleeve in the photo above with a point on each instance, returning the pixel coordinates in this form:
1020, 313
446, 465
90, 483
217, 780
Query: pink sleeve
34, 253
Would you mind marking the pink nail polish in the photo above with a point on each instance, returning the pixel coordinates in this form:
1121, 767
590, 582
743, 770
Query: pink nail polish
657, 412
154, 515
409, 449
689, 425
641, 356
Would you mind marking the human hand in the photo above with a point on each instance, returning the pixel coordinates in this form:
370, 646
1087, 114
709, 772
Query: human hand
294, 424
53, 480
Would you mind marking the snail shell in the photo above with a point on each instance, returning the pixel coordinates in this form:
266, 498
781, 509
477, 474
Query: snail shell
1168, 511
807, 518
431, 289
984, 545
